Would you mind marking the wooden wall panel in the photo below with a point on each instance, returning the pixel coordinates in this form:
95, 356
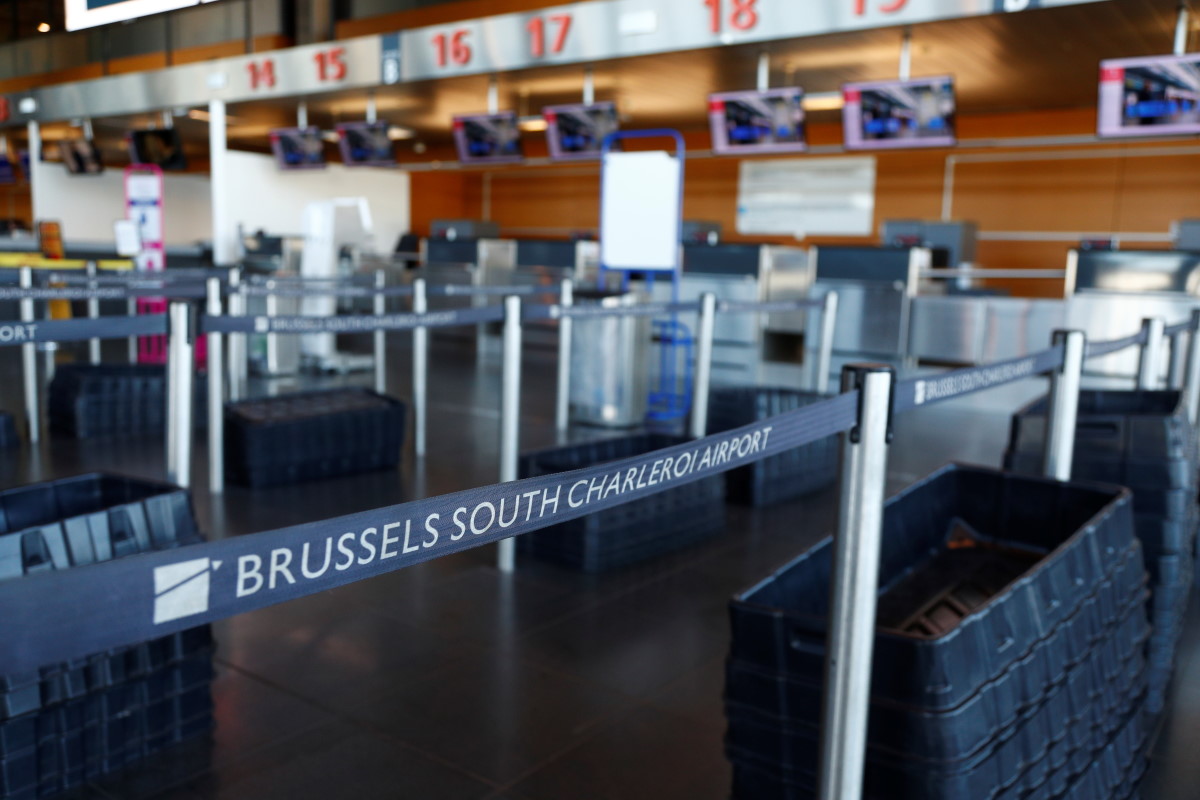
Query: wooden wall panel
1157, 189
1075, 195
1058, 194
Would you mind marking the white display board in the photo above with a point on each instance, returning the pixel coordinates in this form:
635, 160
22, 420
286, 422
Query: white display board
803, 196
640, 198
89, 13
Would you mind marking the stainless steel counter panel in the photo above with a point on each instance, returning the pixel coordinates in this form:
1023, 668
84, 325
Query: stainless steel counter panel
789, 276
1113, 315
872, 317
978, 330
780, 273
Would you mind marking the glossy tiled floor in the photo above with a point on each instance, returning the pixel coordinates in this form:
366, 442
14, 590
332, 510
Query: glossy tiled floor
450, 681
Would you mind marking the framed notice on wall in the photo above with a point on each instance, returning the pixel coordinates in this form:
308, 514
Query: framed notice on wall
798, 197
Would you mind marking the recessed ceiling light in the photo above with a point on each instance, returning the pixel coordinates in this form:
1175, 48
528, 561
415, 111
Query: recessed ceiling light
43, 27
822, 101
533, 124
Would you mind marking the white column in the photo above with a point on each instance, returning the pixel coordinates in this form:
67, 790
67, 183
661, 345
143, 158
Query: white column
224, 227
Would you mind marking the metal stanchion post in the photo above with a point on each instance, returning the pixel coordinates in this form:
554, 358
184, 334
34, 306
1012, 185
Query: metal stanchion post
216, 395
1150, 359
131, 342
855, 583
93, 312
562, 403
1191, 374
180, 367
29, 366
1176, 359
271, 339
704, 348
1063, 406
510, 407
824, 361
237, 341
420, 368
380, 338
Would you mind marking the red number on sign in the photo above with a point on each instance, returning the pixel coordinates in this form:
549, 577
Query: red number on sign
860, 6
452, 49
743, 18
330, 64
261, 74
537, 34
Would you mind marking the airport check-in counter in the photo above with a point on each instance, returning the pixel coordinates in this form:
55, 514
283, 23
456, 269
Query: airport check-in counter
467, 263
1115, 290
546, 262
1106, 294
875, 287
750, 348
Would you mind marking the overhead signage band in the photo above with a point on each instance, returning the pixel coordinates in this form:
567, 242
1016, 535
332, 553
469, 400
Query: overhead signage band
576, 33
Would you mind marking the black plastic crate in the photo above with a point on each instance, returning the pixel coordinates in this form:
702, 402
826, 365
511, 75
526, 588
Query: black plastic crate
778, 478
631, 532
69, 721
1010, 553
1086, 700
956, 733
1018, 767
8, 432
1108, 772
88, 400
1133, 438
312, 435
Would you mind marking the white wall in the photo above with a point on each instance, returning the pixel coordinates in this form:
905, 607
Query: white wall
87, 205
262, 196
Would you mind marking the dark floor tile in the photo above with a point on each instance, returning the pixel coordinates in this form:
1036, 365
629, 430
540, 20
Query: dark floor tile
698, 695
483, 604
647, 754
495, 716
616, 646
333, 652
337, 761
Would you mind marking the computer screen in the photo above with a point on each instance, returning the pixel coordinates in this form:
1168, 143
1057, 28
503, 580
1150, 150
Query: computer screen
488, 138
298, 148
366, 144
578, 131
81, 156
897, 114
757, 122
1152, 96
160, 146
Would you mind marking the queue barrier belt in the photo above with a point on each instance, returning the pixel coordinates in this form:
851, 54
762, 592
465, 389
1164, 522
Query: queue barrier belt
60, 615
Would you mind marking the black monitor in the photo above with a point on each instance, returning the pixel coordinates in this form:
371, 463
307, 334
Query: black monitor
161, 147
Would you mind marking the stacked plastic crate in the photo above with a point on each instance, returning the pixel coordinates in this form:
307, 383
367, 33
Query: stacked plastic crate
70, 722
781, 477
8, 432
312, 435
1142, 440
630, 532
89, 400
1008, 654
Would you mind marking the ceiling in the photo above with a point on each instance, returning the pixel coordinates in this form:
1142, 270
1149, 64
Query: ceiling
1034, 60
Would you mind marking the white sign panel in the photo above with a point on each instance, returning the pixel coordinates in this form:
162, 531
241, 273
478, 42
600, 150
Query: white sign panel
640, 211
798, 197
89, 13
